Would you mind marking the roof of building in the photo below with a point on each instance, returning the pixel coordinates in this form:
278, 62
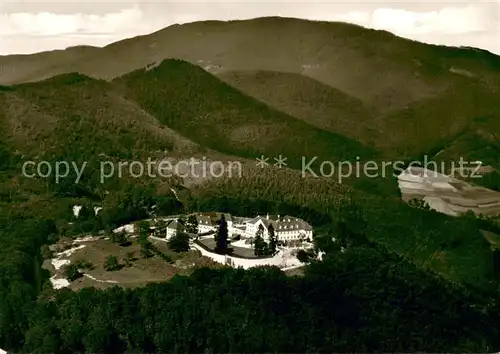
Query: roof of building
284, 223
205, 219
209, 214
175, 225
211, 218
290, 222
254, 220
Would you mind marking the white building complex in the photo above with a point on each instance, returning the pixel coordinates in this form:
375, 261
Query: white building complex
207, 222
286, 228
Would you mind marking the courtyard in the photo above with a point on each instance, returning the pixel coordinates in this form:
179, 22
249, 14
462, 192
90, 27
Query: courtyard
246, 252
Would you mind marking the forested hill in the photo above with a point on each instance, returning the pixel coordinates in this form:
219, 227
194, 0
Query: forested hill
198, 105
262, 310
342, 304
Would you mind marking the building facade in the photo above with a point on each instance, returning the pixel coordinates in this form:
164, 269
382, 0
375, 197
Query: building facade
207, 222
286, 228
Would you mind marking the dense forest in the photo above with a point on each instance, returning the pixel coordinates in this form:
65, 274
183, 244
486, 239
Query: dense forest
380, 294
334, 308
364, 298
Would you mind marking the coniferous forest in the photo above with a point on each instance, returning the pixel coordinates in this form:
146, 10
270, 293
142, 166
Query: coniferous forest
365, 298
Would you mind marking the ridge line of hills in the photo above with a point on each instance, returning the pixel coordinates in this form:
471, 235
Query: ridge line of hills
400, 97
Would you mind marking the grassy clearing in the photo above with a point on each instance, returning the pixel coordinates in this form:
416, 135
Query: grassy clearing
140, 272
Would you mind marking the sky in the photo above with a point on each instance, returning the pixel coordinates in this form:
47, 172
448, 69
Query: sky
34, 26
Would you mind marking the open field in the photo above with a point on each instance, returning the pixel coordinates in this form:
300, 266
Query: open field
447, 194
139, 273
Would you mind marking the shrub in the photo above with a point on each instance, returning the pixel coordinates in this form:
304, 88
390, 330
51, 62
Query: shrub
179, 242
111, 264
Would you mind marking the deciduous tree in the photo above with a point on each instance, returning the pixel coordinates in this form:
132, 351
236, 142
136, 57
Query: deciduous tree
179, 242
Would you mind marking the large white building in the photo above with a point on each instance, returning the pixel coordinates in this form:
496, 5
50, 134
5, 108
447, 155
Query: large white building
286, 228
207, 222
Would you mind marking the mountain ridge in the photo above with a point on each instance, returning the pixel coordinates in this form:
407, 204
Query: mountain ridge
390, 75
192, 30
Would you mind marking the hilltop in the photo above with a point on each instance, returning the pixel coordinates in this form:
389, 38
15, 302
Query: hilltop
83, 121
175, 109
214, 114
76, 115
332, 52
